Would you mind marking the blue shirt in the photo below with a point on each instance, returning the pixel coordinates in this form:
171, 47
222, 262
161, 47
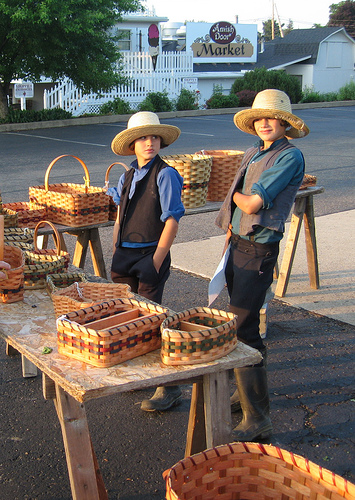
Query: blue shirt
287, 169
170, 185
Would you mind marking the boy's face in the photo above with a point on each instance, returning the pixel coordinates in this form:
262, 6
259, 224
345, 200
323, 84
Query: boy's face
269, 130
146, 148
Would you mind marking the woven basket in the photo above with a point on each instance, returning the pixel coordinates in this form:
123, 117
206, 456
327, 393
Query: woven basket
12, 287
112, 213
19, 237
85, 294
197, 335
28, 214
129, 328
40, 263
10, 217
225, 164
241, 471
73, 205
195, 170
308, 181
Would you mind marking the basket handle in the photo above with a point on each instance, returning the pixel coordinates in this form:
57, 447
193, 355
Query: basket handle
86, 178
56, 236
109, 169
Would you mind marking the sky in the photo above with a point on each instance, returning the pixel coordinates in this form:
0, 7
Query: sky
303, 13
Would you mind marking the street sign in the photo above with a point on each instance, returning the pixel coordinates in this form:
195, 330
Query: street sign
23, 90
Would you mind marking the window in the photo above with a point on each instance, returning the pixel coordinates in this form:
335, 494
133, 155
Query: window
124, 42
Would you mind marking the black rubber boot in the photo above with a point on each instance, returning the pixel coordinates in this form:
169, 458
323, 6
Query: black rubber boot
254, 400
163, 399
234, 400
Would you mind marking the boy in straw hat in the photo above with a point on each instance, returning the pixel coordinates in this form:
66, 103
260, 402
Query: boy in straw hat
253, 216
149, 210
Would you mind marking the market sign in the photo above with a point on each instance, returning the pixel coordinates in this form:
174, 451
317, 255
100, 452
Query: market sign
222, 41
23, 90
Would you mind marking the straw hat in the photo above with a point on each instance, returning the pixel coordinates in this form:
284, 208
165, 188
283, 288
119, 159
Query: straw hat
139, 125
271, 103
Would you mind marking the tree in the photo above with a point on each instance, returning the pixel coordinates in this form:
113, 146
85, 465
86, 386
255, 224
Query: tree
54, 39
267, 30
343, 14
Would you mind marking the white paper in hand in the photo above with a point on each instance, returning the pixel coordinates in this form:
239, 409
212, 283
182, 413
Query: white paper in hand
219, 279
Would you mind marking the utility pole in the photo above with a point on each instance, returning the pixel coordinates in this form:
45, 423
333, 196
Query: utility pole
272, 22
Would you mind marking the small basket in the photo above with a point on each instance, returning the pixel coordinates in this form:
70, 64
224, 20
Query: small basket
195, 170
73, 205
308, 181
10, 217
12, 287
40, 263
28, 214
112, 332
253, 471
112, 212
79, 295
225, 164
197, 335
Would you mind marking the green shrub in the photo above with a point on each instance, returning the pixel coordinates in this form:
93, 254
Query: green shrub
261, 79
219, 100
347, 93
116, 107
30, 115
156, 102
187, 100
246, 97
311, 95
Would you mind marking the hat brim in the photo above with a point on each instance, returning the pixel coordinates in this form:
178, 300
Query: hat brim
244, 120
122, 143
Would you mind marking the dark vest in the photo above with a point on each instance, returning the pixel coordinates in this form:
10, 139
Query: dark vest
273, 218
140, 216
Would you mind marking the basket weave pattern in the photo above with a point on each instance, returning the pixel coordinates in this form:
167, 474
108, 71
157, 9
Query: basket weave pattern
104, 347
12, 287
241, 471
225, 164
20, 237
28, 214
216, 338
195, 170
73, 205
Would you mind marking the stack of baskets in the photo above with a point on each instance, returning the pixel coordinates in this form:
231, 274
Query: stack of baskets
225, 164
195, 170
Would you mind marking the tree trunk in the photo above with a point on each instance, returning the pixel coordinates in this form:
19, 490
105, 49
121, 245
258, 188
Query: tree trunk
4, 108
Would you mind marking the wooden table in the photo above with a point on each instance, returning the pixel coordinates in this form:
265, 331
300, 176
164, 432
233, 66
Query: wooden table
29, 326
303, 210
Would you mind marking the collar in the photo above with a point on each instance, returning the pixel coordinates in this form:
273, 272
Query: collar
147, 166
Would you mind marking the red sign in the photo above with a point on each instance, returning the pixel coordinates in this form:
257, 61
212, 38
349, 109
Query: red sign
223, 33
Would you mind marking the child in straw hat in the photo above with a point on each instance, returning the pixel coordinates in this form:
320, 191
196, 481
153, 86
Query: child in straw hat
253, 216
149, 210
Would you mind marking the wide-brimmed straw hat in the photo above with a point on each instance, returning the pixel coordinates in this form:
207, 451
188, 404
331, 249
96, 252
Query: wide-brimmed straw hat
271, 103
139, 125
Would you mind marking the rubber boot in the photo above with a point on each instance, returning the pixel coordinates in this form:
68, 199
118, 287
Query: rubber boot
234, 400
163, 399
254, 400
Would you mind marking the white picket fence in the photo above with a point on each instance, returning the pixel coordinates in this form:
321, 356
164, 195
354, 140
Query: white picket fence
168, 76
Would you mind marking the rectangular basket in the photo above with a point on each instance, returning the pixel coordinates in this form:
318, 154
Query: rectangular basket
28, 214
73, 205
239, 471
197, 335
225, 164
105, 345
195, 170
82, 294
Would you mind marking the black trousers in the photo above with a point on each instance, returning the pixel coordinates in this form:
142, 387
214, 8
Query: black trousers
135, 267
249, 273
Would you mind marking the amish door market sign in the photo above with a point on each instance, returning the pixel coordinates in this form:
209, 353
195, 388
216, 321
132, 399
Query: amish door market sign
222, 41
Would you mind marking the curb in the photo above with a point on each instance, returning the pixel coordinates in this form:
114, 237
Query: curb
98, 120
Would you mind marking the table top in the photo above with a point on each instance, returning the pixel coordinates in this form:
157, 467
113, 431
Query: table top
29, 326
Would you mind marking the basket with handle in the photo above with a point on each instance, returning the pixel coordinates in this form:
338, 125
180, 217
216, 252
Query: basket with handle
195, 170
81, 294
225, 164
73, 205
12, 286
39, 263
112, 213
28, 214
197, 335
111, 332
240, 471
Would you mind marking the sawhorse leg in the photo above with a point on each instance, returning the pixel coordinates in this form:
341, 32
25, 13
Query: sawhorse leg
85, 238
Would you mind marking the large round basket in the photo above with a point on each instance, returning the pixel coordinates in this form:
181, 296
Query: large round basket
241, 471
225, 164
197, 335
195, 170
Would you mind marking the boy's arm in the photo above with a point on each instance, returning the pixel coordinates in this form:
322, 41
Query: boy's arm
165, 241
249, 203
115, 229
